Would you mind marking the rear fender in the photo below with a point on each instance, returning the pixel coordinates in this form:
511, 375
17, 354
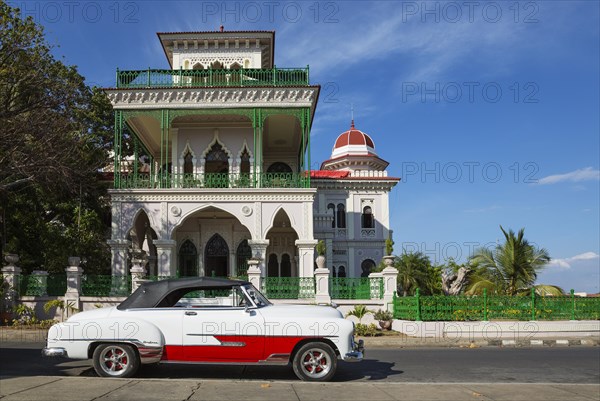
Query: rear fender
80, 337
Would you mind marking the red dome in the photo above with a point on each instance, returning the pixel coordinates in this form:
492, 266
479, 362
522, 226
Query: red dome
353, 137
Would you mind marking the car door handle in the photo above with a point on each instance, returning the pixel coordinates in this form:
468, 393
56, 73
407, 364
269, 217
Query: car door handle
190, 313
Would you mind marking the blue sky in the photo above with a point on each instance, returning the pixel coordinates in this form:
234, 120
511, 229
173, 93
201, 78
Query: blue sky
488, 111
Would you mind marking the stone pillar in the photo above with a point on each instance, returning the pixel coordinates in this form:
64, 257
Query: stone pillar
232, 264
118, 250
165, 249
41, 277
254, 273
390, 285
259, 251
138, 271
306, 257
12, 281
322, 286
74, 272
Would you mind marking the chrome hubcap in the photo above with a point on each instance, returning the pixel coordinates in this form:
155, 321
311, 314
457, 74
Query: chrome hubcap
114, 360
316, 363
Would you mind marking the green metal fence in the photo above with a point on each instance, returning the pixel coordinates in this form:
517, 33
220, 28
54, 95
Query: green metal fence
289, 287
212, 180
353, 288
105, 285
213, 78
496, 307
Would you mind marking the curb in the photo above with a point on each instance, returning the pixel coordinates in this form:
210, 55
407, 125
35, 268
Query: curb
413, 342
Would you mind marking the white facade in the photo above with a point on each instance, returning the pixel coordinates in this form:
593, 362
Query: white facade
227, 137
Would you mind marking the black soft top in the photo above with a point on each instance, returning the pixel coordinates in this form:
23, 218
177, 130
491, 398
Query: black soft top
157, 293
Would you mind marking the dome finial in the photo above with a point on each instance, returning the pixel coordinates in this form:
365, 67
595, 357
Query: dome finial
352, 114
352, 124
221, 28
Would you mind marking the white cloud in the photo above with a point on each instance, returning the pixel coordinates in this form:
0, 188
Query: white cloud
572, 262
580, 272
583, 174
365, 38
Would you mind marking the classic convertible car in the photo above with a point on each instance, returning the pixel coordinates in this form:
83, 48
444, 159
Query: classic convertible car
206, 320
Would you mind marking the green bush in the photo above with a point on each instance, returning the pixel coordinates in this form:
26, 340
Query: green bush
364, 330
383, 315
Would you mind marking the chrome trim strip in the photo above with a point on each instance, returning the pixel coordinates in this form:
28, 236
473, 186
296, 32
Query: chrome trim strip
54, 352
150, 354
276, 359
233, 344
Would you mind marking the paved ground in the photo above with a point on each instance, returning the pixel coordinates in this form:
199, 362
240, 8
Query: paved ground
77, 388
489, 373
419, 365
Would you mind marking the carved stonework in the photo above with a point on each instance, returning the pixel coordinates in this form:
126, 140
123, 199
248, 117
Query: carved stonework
211, 97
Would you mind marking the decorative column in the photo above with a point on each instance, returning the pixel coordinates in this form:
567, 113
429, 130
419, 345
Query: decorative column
118, 250
74, 273
390, 282
138, 270
12, 281
165, 249
254, 273
306, 257
259, 251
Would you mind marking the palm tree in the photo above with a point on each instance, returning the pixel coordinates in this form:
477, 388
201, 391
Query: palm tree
359, 312
412, 271
511, 268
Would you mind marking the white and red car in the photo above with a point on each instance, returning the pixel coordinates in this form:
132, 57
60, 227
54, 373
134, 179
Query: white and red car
206, 320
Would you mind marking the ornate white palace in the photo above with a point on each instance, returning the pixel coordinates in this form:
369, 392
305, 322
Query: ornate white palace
220, 168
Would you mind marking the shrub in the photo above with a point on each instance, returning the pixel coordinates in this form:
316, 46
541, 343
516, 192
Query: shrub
321, 248
383, 315
364, 330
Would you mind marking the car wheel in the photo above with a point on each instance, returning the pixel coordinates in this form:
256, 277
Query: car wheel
115, 360
315, 361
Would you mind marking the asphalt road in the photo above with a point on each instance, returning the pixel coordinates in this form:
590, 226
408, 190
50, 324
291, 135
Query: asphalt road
424, 365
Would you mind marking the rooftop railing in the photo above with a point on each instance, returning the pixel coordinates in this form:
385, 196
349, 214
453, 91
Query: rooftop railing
244, 77
212, 180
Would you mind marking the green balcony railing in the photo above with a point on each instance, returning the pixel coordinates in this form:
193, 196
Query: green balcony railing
289, 287
213, 78
212, 180
496, 307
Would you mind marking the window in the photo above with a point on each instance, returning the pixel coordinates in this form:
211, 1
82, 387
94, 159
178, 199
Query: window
279, 167
273, 266
341, 215
245, 162
341, 271
332, 207
188, 163
367, 220
367, 267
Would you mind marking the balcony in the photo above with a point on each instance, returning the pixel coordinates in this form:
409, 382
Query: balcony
211, 180
244, 77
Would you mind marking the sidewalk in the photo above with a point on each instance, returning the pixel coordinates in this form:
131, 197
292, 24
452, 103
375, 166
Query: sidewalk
78, 388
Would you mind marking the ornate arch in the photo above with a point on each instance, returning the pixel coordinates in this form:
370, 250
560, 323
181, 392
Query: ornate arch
208, 149
281, 208
188, 150
184, 217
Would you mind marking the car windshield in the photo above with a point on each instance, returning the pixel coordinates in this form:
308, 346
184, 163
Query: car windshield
259, 299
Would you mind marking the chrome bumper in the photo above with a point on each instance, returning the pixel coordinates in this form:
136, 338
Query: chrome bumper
357, 353
55, 351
